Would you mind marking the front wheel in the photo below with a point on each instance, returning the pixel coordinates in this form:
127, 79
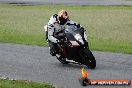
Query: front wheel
89, 59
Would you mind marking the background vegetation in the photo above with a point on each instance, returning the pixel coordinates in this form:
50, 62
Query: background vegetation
5, 83
109, 28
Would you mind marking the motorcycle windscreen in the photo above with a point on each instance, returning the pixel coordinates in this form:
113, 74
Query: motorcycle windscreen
72, 40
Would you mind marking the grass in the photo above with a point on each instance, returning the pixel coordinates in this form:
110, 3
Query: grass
4, 83
109, 28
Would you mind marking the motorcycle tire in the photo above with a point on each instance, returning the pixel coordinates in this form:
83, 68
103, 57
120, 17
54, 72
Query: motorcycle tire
89, 59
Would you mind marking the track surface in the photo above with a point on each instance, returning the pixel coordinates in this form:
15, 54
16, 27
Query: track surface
71, 2
34, 63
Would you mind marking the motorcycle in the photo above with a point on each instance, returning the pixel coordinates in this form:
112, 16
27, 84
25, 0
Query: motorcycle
73, 46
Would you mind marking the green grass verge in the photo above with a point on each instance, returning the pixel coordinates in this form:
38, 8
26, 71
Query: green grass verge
109, 28
4, 83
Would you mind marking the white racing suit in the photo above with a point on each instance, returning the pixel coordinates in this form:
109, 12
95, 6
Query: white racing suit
54, 27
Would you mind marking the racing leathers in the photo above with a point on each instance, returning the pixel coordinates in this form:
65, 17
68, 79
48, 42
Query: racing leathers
55, 27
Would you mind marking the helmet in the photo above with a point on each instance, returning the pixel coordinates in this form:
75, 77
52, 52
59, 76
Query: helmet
63, 17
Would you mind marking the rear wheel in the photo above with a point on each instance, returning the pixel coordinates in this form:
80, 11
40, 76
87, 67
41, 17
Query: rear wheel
89, 59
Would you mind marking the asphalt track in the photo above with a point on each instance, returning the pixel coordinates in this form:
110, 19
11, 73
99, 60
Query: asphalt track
34, 63
70, 2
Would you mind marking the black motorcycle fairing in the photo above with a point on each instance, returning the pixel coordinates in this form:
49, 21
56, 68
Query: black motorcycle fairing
72, 30
59, 35
79, 53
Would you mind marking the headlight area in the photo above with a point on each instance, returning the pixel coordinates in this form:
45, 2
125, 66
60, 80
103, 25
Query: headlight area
78, 37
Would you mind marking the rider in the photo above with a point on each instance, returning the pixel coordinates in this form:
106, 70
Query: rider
55, 25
